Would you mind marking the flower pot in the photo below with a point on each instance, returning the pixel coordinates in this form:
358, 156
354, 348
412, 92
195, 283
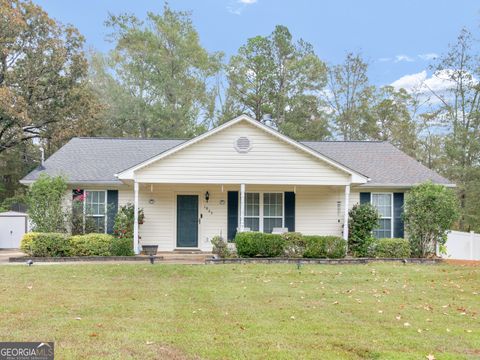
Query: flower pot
150, 250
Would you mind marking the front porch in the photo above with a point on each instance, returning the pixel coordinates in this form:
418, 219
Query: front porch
185, 217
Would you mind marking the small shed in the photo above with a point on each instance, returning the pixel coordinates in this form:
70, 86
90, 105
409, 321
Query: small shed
13, 225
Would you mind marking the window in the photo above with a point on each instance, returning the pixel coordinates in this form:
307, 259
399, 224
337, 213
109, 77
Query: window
263, 211
384, 204
252, 211
272, 211
95, 207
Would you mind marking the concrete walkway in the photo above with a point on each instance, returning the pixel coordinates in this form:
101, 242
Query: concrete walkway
5, 254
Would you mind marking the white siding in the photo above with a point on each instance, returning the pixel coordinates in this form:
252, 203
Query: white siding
316, 209
215, 160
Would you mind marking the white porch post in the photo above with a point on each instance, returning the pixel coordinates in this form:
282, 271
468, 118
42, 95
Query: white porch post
136, 247
242, 207
345, 216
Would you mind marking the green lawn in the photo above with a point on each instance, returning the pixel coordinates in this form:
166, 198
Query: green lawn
377, 311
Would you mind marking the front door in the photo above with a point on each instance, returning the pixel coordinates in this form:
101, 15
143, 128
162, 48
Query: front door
187, 220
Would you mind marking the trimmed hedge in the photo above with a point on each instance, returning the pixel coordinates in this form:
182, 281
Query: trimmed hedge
390, 248
46, 244
332, 247
257, 244
251, 244
63, 245
122, 247
91, 244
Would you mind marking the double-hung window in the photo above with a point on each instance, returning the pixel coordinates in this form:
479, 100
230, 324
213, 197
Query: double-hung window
95, 210
383, 202
272, 211
252, 211
263, 211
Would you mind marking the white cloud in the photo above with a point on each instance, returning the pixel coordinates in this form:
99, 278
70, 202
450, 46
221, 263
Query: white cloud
428, 56
402, 57
238, 6
439, 82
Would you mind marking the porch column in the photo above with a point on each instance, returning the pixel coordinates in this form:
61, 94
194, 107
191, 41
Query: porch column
242, 207
345, 218
136, 248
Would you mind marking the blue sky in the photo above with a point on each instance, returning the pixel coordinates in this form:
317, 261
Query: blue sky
398, 38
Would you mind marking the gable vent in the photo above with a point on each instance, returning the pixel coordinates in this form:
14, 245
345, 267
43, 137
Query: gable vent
243, 144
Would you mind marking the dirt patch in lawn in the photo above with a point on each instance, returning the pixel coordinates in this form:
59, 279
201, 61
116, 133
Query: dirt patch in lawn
463, 262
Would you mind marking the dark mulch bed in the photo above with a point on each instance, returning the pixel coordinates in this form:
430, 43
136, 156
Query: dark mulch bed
319, 261
23, 259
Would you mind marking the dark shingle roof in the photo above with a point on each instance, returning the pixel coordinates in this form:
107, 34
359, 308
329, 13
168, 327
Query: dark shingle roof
382, 162
99, 159
84, 160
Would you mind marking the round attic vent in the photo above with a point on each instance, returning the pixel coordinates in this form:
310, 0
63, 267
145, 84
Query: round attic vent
243, 144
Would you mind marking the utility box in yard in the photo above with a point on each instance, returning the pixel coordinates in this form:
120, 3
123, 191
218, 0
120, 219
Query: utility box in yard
12, 227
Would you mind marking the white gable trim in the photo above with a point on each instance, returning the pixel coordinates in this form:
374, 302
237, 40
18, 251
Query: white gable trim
356, 177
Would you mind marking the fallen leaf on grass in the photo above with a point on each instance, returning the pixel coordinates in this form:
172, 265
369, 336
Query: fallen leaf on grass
149, 343
29, 287
430, 357
398, 317
406, 324
78, 318
93, 334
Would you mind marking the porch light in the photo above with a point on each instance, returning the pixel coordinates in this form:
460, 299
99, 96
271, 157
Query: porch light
207, 196
151, 201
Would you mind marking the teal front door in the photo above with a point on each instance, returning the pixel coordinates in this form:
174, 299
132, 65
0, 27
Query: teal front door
187, 220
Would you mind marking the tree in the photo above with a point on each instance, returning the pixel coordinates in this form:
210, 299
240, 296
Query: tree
347, 97
157, 80
276, 76
459, 115
430, 211
45, 208
390, 119
43, 84
363, 218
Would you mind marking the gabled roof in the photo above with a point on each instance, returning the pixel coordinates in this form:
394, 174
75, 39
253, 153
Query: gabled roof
97, 160
357, 177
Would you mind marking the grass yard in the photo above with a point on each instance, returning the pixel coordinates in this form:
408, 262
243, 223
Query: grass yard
378, 311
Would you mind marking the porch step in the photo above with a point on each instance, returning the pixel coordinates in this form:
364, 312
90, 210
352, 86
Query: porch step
188, 256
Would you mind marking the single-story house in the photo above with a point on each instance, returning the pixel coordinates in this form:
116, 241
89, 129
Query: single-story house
242, 175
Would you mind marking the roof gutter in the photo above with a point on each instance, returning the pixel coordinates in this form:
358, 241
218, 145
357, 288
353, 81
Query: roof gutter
80, 182
400, 186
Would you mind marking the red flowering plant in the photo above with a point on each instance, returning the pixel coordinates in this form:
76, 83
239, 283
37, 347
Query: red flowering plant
123, 226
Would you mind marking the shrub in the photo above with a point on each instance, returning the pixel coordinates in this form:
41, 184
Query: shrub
46, 244
91, 245
430, 211
294, 244
332, 247
220, 247
390, 248
123, 225
251, 244
121, 247
44, 201
362, 220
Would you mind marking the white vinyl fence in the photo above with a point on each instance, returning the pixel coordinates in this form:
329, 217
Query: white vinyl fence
462, 246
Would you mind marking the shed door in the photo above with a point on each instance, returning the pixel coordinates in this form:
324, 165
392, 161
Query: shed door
12, 229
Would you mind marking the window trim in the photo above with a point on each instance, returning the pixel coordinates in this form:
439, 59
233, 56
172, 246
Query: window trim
260, 216
391, 217
85, 193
